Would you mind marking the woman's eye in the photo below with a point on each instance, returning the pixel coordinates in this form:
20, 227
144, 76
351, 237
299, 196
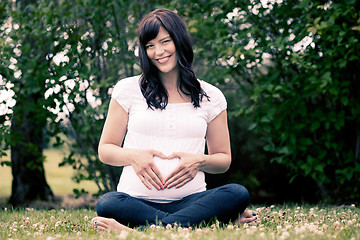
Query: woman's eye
149, 46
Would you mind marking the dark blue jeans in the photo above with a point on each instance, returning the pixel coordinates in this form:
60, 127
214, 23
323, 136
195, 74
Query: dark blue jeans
225, 203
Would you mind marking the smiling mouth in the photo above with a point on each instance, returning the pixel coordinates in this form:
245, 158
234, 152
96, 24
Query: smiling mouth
163, 60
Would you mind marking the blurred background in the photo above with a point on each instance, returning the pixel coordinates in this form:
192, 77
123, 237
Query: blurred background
289, 70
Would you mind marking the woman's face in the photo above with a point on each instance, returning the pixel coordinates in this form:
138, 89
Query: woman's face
162, 52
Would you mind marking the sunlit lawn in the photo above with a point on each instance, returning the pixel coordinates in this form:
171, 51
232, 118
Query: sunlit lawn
59, 178
274, 222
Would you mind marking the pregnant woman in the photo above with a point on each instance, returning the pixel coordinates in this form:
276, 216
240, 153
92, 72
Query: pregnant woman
156, 128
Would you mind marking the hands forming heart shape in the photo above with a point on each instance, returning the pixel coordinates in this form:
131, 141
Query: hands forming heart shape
149, 174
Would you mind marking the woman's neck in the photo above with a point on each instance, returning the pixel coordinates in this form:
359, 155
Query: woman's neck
170, 80
171, 83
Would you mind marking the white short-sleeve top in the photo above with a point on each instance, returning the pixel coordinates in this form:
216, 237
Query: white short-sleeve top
178, 128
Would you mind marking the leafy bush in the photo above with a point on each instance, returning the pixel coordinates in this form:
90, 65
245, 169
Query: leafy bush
288, 68
297, 63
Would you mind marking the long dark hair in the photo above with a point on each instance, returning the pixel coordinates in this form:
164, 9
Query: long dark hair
151, 86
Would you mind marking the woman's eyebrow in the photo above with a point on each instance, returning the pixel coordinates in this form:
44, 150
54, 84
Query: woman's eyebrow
165, 38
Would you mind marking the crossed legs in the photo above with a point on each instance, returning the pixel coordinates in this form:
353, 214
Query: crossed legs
117, 210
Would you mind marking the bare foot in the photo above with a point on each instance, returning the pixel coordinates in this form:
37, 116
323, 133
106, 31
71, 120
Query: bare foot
247, 216
108, 224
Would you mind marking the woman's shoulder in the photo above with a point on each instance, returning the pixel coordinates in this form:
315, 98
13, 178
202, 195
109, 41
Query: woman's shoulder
129, 81
210, 89
126, 90
216, 102
128, 84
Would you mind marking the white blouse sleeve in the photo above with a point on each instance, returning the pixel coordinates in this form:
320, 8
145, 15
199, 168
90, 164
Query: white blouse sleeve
217, 102
122, 94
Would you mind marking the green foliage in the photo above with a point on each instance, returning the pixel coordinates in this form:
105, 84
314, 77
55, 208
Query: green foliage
99, 44
89, 46
22, 78
5, 72
297, 64
289, 71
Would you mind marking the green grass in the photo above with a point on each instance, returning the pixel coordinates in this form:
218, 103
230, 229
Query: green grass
59, 178
274, 222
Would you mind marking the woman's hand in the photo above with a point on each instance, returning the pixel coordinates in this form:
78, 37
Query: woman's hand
145, 168
186, 170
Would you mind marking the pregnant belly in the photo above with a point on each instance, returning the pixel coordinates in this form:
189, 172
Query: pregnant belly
166, 166
131, 184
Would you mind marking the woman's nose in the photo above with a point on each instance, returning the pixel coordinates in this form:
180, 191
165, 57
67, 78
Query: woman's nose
159, 50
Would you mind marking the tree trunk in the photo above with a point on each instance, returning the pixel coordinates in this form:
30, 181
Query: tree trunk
27, 158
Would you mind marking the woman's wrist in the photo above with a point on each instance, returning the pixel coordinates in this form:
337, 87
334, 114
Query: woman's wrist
203, 159
215, 163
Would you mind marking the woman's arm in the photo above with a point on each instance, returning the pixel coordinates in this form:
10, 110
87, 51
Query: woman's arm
217, 161
218, 145
111, 152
